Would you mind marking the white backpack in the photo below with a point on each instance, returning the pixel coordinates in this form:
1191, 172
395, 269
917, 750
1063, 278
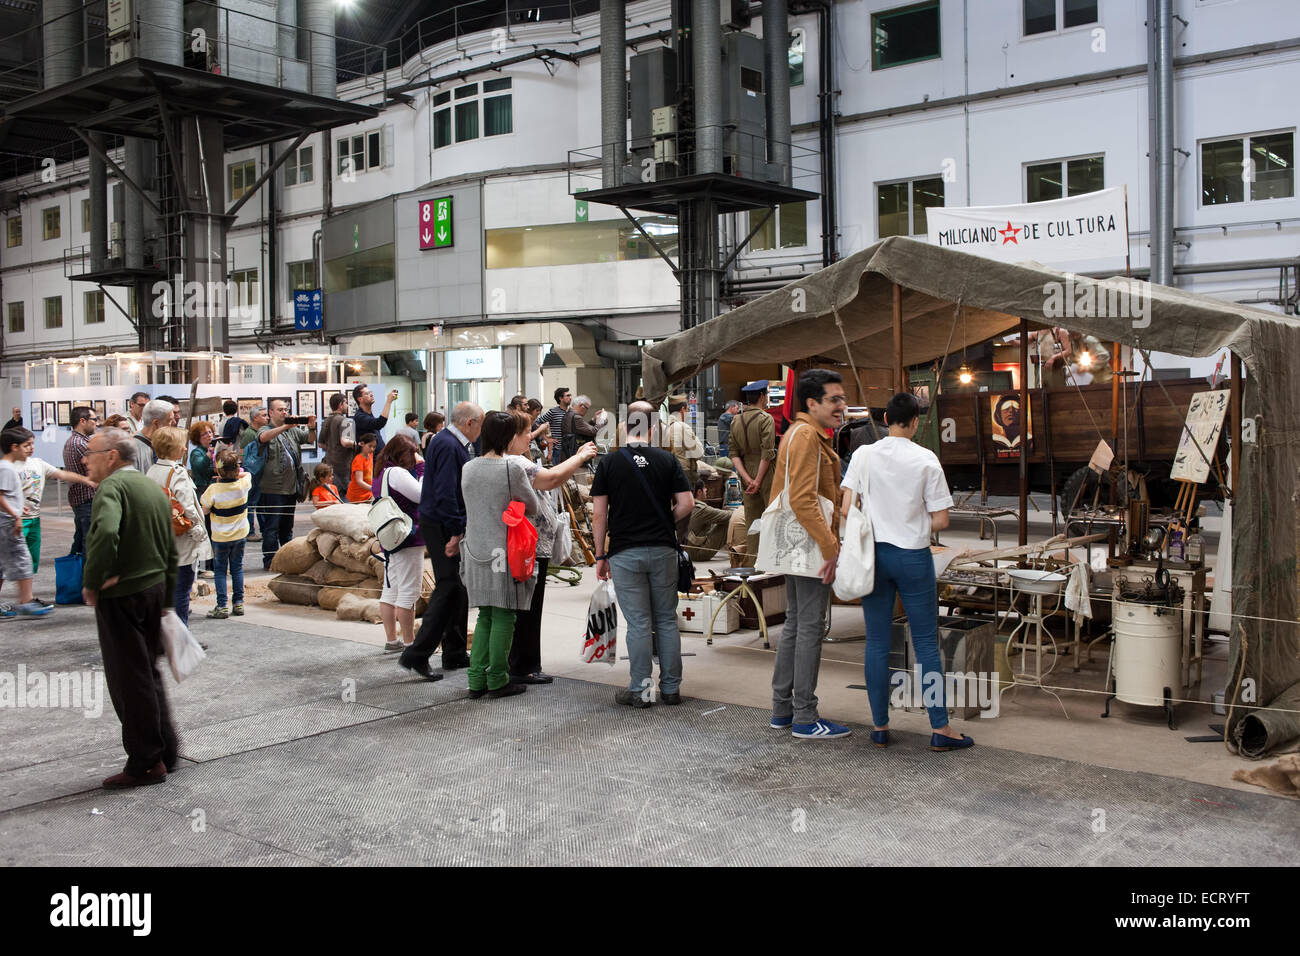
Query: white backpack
388, 521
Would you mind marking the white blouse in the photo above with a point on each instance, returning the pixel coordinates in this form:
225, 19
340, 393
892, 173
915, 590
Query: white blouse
905, 484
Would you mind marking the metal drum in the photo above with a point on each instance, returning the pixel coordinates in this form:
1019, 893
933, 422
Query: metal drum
1148, 650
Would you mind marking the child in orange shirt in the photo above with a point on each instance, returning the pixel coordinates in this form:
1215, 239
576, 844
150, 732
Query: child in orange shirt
363, 465
321, 488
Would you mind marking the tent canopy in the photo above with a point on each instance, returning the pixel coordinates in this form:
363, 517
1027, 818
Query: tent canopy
844, 314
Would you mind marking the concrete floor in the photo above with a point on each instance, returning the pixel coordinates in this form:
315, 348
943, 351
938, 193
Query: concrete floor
304, 743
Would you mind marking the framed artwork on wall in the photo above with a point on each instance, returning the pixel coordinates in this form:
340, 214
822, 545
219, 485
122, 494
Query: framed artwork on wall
101, 408
246, 406
49, 412
38, 417
325, 397
307, 403
64, 412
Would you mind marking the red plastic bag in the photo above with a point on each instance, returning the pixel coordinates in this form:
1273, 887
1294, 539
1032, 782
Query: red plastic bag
521, 542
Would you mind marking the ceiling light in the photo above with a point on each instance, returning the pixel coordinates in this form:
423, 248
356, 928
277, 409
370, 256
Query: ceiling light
964, 374
1085, 359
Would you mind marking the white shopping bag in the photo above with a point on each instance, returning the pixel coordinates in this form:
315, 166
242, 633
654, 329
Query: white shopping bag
183, 651
600, 642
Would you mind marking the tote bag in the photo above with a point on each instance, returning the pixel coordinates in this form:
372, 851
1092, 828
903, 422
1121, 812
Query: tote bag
784, 545
855, 571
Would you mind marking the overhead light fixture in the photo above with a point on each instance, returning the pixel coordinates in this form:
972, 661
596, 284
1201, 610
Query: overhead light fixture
964, 374
1085, 359
133, 367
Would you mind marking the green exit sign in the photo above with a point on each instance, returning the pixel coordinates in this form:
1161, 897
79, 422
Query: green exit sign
435, 223
580, 209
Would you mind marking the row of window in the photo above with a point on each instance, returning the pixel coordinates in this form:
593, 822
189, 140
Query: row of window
16, 312
911, 34
51, 224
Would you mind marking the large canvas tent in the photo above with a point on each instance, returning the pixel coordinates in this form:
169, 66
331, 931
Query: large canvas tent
845, 313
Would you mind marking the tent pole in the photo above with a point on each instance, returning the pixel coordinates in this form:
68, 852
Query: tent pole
1024, 430
1235, 427
900, 383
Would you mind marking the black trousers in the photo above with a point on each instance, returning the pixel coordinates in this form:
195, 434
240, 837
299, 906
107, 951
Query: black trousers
526, 651
130, 638
275, 514
446, 620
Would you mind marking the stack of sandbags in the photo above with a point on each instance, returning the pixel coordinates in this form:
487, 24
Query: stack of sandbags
337, 561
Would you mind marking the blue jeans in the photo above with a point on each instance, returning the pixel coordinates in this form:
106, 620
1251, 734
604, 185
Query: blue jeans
229, 554
81, 522
909, 573
181, 599
645, 581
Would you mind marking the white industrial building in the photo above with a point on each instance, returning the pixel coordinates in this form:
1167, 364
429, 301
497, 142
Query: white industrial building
947, 102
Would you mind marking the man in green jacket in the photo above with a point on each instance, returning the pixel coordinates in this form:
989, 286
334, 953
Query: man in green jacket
129, 578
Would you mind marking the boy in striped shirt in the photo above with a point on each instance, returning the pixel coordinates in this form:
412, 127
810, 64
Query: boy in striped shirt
226, 500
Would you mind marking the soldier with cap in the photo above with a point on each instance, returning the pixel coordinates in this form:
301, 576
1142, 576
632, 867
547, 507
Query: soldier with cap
752, 444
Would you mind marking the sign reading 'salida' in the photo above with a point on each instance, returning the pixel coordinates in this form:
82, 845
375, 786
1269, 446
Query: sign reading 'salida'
435, 223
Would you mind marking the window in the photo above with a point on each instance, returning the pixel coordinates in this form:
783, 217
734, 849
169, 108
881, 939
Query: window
85, 215
242, 176
1265, 162
54, 312
1042, 16
14, 235
796, 58
357, 269
302, 275
244, 291
17, 316
473, 110
94, 307
365, 151
787, 228
1061, 178
900, 207
51, 219
905, 35
573, 243
298, 167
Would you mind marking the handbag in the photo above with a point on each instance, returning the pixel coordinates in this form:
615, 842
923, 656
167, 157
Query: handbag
521, 537
784, 544
855, 571
181, 522
562, 553
67, 579
685, 566
390, 524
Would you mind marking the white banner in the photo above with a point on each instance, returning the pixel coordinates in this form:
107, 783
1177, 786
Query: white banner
1091, 226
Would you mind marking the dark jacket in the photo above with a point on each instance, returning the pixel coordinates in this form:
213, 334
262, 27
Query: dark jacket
130, 537
441, 501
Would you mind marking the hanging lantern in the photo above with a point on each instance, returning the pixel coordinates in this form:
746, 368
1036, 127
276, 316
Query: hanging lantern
1085, 359
965, 375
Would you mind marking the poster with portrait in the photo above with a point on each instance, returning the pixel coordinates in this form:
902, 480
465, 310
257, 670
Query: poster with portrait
38, 417
1010, 429
1204, 425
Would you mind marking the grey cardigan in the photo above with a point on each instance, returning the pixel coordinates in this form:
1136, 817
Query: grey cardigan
483, 566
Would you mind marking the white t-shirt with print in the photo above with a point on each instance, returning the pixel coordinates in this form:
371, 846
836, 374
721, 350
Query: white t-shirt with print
906, 483
33, 473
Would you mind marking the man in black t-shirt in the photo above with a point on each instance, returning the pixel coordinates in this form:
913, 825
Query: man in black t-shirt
639, 493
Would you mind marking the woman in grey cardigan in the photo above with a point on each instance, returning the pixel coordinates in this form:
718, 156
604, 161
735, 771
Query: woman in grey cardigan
489, 483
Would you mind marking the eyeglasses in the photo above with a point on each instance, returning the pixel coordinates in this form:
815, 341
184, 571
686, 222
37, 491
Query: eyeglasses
836, 399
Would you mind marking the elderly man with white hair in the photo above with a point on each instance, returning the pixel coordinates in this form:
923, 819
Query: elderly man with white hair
575, 430
157, 414
442, 525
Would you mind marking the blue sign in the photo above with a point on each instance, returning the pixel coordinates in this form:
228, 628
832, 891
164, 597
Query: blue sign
307, 310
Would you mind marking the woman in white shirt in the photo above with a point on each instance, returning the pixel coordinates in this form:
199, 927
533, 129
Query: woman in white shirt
170, 473
906, 497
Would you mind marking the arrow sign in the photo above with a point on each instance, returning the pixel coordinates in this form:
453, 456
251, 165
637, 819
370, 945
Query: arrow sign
435, 223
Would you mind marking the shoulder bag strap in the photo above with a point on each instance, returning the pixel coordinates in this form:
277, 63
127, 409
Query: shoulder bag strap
645, 486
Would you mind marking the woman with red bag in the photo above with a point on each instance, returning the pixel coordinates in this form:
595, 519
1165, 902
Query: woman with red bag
497, 554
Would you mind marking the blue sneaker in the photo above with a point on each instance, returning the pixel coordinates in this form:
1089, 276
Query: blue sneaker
34, 609
821, 730
781, 723
7, 610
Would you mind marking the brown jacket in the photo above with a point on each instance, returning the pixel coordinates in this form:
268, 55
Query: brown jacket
812, 467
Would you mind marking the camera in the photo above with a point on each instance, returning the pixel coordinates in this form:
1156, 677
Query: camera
295, 419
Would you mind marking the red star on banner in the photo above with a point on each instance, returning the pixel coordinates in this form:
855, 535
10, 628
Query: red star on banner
1009, 234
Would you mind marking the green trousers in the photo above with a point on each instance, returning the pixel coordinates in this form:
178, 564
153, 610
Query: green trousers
489, 657
32, 535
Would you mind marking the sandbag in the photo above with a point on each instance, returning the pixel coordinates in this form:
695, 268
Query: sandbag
294, 589
326, 543
354, 608
342, 577
318, 571
314, 535
329, 597
295, 557
346, 521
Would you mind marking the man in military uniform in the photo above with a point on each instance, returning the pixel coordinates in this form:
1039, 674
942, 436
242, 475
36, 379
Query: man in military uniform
753, 452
